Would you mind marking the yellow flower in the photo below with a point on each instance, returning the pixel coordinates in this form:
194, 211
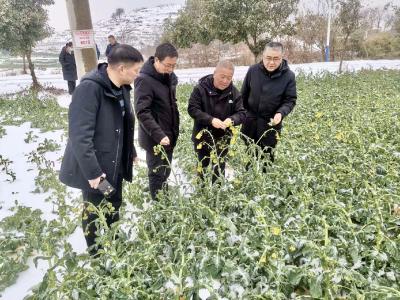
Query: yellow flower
231, 153
276, 231
234, 130
292, 248
319, 115
199, 135
278, 137
263, 259
199, 146
339, 136
199, 169
156, 150
274, 255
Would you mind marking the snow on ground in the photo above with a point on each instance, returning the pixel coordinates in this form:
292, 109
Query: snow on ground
13, 147
52, 77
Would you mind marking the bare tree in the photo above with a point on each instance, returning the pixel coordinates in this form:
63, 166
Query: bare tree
348, 21
119, 12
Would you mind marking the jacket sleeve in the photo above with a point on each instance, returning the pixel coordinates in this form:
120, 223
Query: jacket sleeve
107, 50
82, 123
245, 91
61, 57
239, 111
289, 97
194, 108
143, 100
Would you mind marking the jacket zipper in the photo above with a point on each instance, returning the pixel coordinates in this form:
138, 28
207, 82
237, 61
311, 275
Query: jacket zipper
116, 158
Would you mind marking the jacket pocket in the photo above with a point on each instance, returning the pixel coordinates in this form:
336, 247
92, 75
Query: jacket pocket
103, 147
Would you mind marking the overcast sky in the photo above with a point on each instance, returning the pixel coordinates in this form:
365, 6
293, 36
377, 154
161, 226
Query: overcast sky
102, 9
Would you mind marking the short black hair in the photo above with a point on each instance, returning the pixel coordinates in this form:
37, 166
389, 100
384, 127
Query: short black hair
69, 44
165, 50
274, 45
123, 53
111, 36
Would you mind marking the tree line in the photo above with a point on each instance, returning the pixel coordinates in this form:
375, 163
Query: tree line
357, 31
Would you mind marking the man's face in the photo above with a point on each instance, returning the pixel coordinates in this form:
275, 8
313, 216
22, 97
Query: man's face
272, 59
111, 40
222, 78
129, 72
167, 65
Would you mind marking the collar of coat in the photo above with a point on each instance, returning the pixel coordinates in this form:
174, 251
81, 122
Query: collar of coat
207, 83
283, 68
149, 69
100, 76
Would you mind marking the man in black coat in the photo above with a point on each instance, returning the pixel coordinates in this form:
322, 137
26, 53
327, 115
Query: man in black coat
269, 95
67, 61
157, 113
215, 105
112, 42
101, 129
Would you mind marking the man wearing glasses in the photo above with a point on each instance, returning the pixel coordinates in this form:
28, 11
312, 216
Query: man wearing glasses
269, 94
157, 113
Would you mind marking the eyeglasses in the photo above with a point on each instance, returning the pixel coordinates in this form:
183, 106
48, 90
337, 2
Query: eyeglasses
168, 66
273, 59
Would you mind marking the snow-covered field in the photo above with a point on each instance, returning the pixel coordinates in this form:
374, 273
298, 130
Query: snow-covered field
13, 147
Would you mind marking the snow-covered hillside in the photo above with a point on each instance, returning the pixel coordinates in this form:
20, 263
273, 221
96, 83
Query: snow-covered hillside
139, 28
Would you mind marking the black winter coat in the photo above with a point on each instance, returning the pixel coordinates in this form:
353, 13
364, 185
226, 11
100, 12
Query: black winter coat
68, 65
155, 107
100, 138
206, 102
109, 48
265, 94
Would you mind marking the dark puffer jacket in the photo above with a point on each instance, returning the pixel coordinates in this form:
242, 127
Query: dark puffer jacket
207, 102
100, 138
265, 94
155, 107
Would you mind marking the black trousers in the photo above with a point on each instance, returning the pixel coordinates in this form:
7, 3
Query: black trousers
90, 218
217, 165
158, 171
71, 86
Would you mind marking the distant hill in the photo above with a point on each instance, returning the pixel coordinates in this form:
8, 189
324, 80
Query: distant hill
139, 28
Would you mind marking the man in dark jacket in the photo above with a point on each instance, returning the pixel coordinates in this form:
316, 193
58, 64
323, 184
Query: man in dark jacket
67, 61
157, 113
101, 129
112, 42
269, 94
97, 52
215, 105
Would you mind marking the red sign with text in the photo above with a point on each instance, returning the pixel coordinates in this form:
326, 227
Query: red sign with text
83, 39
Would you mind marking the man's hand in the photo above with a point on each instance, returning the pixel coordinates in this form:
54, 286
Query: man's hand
165, 141
217, 123
277, 119
228, 122
94, 183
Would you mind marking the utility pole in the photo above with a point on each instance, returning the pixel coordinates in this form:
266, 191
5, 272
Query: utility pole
328, 34
80, 22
